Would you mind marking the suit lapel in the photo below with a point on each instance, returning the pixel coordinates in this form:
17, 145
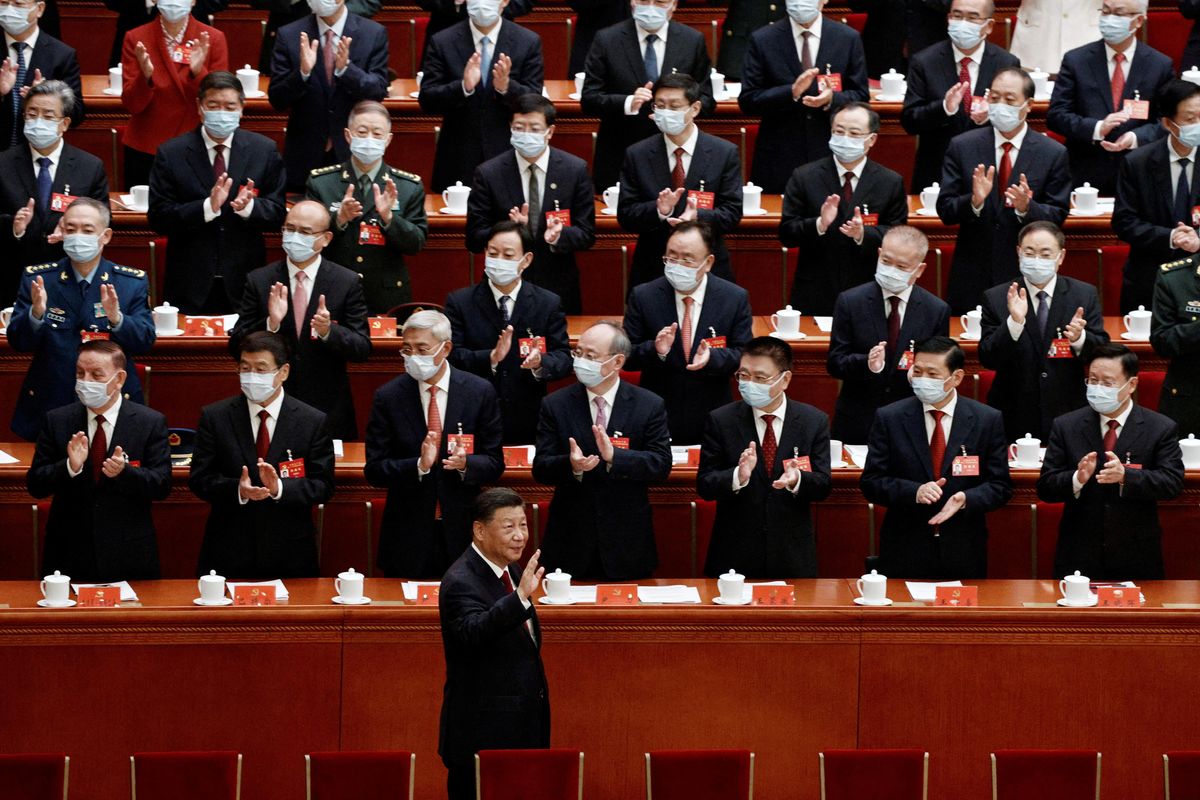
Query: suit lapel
239, 423
487, 304
876, 316
62, 176
633, 53
278, 450
1161, 160
1027, 158
319, 286
987, 70
1062, 309
1129, 439
510, 175
198, 159
673, 53
961, 424
789, 438
709, 312
912, 315
919, 437
455, 404
865, 183
1097, 63
621, 416
235, 162
553, 179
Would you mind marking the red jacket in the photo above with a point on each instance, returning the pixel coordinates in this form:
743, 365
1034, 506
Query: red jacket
167, 108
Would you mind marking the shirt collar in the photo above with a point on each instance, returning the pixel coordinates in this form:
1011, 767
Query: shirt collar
778, 413
959, 55
336, 27
1110, 52
271, 408
54, 155
210, 142
372, 173
1048, 288
89, 278
542, 161
30, 43
310, 271
842, 169
497, 294
698, 295
903, 295
1120, 418
495, 567
661, 33
477, 35
443, 383
1015, 141
814, 29
689, 146
947, 409
110, 416
608, 396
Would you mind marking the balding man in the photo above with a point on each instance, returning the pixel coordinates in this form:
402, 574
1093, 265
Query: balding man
317, 306
601, 443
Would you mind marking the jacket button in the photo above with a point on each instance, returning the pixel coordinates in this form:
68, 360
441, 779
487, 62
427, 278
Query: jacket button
360, 259
1044, 374
773, 6
1173, 392
399, 284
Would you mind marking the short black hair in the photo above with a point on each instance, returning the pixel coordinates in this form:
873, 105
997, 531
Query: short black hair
511, 226
872, 114
703, 228
1027, 87
489, 501
943, 346
1128, 358
1043, 225
218, 80
533, 103
679, 80
1172, 94
265, 342
106, 346
777, 350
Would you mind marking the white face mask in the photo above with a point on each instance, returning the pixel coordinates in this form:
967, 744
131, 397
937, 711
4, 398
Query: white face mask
257, 386
1105, 399
367, 149
803, 11
671, 121
1038, 271
682, 279
892, 279
649, 17
174, 10
1004, 118
422, 368
501, 271
483, 13
15, 21
589, 372
93, 394
323, 8
965, 35
930, 390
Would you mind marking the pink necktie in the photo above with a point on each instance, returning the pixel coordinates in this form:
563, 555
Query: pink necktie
300, 302
329, 56
601, 418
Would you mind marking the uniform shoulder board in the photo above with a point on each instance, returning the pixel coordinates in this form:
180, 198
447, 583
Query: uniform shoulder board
410, 176
36, 268
130, 271
325, 170
1170, 266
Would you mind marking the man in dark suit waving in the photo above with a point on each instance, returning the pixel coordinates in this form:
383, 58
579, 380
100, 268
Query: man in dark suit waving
942, 80
214, 192
793, 77
495, 696
687, 329
1111, 463
543, 188
510, 332
105, 460
837, 211
600, 444
939, 462
317, 306
622, 66
682, 174
433, 441
263, 460
994, 181
323, 64
1037, 334
1092, 87
473, 69
32, 56
764, 461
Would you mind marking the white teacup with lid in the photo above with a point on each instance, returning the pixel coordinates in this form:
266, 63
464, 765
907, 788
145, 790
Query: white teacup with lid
56, 590
557, 586
1191, 451
1076, 589
732, 586
349, 586
872, 589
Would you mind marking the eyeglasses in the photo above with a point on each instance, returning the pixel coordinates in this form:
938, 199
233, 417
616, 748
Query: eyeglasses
22, 4
684, 262
33, 114
577, 353
420, 351
1105, 383
958, 16
743, 375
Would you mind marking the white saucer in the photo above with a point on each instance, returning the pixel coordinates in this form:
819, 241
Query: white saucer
883, 98
46, 604
968, 338
176, 332
608, 212
362, 601
111, 92
1130, 337
758, 212
1065, 603
132, 209
1075, 212
575, 96
224, 601
414, 95
840, 465
1020, 465
721, 601
451, 213
792, 337
926, 212
862, 601
550, 602
257, 93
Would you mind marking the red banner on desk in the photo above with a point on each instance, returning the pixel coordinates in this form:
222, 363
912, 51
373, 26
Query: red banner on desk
617, 594
956, 596
773, 595
254, 596
428, 595
1119, 596
99, 596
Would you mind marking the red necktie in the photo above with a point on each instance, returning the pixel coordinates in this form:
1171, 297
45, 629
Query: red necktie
99, 448
1110, 438
1006, 166
263, 443
329, 56
937, 443
687, 328
964, 76
435, 415
893, 321
769, 445
1118, 81
218, 161
677, 174
847, 192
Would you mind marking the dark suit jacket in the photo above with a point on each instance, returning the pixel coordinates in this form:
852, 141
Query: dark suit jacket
898, 462
102, 530
495, 695
82, 172
414, 543
647, 171
1030, 388
1144, 217
600, 527
133, 13
266, 538
615, 68
1083, 96
285, 11
591, 16
445, 13
497, 188
475, 128
760, 531
791, 133
860, 323
742, 19
317, 111
898, 27
985, 252
181, 181
1111, 532
57, 62
689, 396
830, 264
1191, 53
477, 324
318, 372
931, 73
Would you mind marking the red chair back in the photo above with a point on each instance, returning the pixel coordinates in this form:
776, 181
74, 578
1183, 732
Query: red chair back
856, 21
1181, 774
213, 775
375, 508
1167, 32
1047, 517
505, 774
419, 26
699, 775
704, 514
874, 774
985, 378
937, 268
1112, 267
379, 775
749, 138
1061, 774
1149, 388
34, 776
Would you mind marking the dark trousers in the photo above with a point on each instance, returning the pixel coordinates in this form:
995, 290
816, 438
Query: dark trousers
460, 782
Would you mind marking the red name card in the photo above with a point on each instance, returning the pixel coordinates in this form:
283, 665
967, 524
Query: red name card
254, 596
773, 595
956, 596
204, 326
382, 327
428, 595
516, 456
617, 594
1120, 596
99, 596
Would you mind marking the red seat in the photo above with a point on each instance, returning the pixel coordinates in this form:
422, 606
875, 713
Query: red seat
937, 268
875, 774
1149, 388
699, 775
1061, 774
34, 776
749, 137
1167, 32
1046, 519
983, 384
417, 42
856, 21
143, 376
1181, 774
360, 775
557, 774
211, 775
704, 515
158, 270
1112, 266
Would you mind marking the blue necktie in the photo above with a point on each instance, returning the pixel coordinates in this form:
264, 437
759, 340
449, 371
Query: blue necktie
651, 58
43, 184
16, 91
1183, 194
485, 61
504, 312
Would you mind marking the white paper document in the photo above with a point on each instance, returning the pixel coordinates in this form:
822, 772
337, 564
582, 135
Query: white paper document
412, 587
679, 454
281, 592
857, 453
583, 594
668, 594
927, 592
825, 324
5, 458
128, 595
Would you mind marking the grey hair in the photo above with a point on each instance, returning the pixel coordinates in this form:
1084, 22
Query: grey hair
910, 235
100, 208
620, 342
433, 321
59, 89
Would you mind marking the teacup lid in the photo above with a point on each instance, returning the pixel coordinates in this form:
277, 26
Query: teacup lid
1141, 312
787, 311
1190, 442
247, 68
1077, 577
1087, 188
458, 187
732, 574
1028, 438
165, 306
750, 185
559, 575
1194, 71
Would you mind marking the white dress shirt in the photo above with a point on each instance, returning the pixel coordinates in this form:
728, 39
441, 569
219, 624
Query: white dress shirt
211, 145
512, 296
689, 149
947, 420
500, 571
1111, 61
110, 424
900, 309
310, 272
543, 163
1102, 457
337, 27
697, 296
855, 175
443, 387
30, 43
55, 157
1015, 328
610, 398
760, 428
660, 50
477, 38
814, 41
272, 410
999, 141
973, 60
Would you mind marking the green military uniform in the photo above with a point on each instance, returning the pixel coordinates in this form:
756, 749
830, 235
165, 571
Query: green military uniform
375, 251
1175, 335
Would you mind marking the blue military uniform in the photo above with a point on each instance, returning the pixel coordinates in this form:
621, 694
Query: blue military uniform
72, 310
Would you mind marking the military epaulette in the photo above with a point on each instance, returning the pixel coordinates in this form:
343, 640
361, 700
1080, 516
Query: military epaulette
325, 170
36, 268
1183, 262
130, 271
403, 174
